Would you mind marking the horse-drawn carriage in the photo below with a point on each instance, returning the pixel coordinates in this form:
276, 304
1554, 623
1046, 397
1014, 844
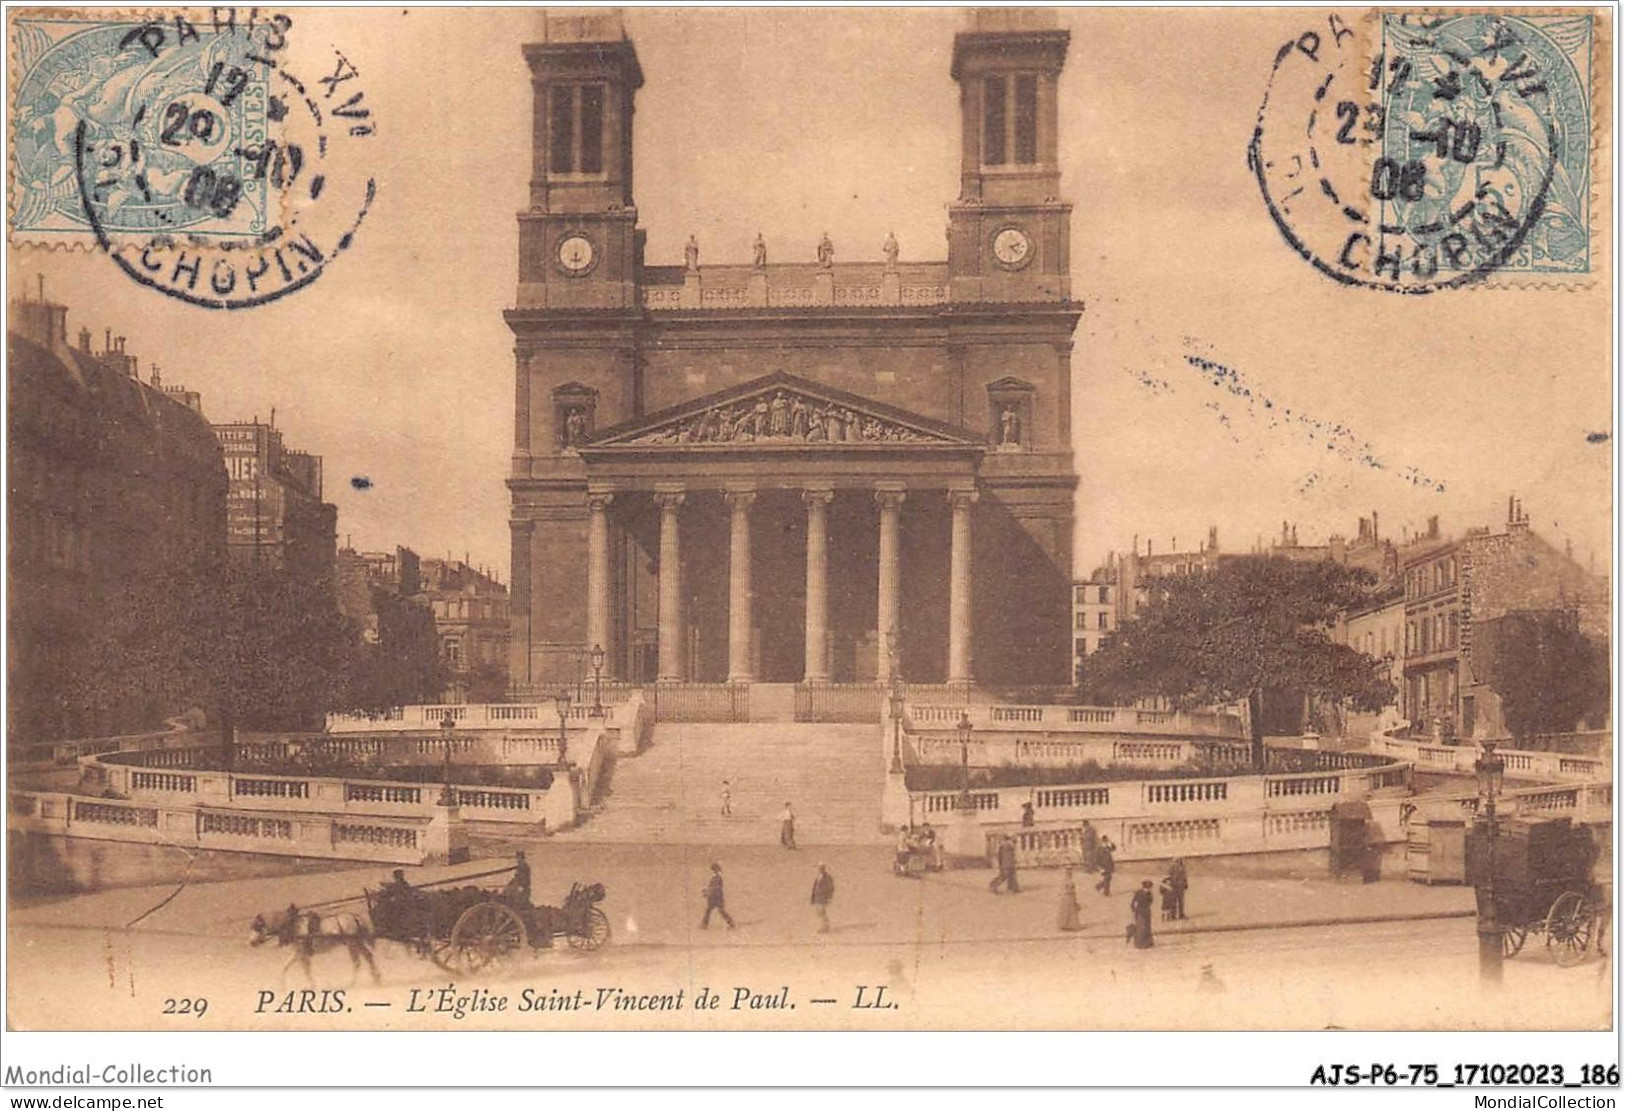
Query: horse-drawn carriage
466, 929
1538, 871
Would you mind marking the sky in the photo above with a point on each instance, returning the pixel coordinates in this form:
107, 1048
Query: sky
396, 365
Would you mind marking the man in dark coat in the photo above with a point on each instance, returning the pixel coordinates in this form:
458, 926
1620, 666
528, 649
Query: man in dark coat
1108, 864
1005, 855
519, 885
823, 893
1178, 881
714, 898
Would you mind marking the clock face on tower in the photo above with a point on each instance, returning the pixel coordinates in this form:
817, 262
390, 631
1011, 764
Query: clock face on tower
576, 254
1012, 248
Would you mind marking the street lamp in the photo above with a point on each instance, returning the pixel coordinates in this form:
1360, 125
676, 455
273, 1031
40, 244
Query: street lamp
598, 680
448, 794
563, 704
1490, 768
965, 801
895, 698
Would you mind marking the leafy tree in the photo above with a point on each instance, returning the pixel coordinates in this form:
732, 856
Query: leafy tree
1549, 674
1253, 624
404, 667
285, 651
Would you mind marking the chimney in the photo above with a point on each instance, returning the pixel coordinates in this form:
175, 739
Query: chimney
1148, 549
41, 322
1213, 538
107, 342
1512, 509
1374, 533
1433, 527
84, 340
157, 378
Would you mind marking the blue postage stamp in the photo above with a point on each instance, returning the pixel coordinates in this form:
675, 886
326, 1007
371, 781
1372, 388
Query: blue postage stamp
134, 128
1493, 113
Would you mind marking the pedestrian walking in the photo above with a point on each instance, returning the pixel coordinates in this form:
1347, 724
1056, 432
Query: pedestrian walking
727, 799
1027, 814
1005, 855
1180, 881
823, 893
1069, 919
1108, 864
787, 827
714, 898
1091, 847
1139, 930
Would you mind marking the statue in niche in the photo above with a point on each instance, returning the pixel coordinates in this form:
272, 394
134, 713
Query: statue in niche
890, 249
575, 427
1009, 427
761, 252
826, 252
691, 253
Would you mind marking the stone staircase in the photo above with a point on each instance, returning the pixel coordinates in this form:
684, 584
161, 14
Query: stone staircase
671, 793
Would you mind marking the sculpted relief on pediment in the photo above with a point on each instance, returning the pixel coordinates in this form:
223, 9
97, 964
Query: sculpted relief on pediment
782, 417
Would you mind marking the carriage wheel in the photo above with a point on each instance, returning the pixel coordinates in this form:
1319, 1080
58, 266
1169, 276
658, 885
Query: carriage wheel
594, 932
484, 935
1569, 927
1512, 939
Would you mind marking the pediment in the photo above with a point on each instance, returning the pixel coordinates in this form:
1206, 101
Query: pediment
781, 411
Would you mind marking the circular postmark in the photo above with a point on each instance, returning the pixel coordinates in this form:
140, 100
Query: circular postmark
1416, 153
207, 170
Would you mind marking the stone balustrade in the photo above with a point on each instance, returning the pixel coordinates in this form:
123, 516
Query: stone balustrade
1062, 719
1519, 763
618, 703
409, 840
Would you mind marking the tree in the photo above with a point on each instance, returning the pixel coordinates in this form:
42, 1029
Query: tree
1549, 675
1227, 635
285, 653
404, 667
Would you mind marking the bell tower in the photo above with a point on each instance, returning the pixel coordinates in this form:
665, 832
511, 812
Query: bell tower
1008, 233
579, 246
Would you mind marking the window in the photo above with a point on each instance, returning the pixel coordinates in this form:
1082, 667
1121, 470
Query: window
1454, 628
1081, 621
576, 129
1100, 623
1026, 119
993, 122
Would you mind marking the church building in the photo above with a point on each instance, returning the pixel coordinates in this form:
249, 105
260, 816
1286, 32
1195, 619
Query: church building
809, 471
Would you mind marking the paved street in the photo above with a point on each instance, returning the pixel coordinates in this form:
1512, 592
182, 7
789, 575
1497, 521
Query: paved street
947, 949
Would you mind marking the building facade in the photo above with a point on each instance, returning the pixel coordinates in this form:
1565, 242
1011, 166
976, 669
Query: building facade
115, 536
1094, 612
471, 620
850, 440
275, 516
1455, 587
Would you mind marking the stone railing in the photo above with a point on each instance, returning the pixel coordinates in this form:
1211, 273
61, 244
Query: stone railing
675, 289
372, 838
1062, 719
66, 753
1519, 763
482, 715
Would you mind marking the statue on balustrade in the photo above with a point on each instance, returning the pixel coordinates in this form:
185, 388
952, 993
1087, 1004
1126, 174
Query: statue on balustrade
890, 249
691, 253
761, 252
826, 252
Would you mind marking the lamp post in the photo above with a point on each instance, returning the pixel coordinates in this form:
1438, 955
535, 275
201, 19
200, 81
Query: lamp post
598, 680
1490, 769
965, 801
563, 704
895, 698
448, 793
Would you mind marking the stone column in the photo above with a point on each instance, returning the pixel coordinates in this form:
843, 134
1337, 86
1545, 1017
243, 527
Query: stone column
817, 669
740, 595
890, 601
598, 623
671, 588
959, 587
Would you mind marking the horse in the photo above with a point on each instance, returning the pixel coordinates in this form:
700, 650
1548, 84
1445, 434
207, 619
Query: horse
311, 934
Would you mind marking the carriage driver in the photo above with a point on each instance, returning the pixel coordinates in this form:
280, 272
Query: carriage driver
519, 887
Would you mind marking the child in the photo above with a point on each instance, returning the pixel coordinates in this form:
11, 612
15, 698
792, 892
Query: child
1170, 900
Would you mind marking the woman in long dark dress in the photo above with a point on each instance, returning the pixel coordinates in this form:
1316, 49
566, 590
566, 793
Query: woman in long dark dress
1140, 931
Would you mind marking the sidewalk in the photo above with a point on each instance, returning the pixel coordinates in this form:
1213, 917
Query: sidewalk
655, 897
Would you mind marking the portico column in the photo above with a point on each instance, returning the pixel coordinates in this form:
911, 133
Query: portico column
816, 670
598, 624
891, 506
671, 588
740, 595
959, 587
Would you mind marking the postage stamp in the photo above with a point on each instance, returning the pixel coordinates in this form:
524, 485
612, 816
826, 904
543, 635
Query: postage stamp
184, 148
1432, 151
